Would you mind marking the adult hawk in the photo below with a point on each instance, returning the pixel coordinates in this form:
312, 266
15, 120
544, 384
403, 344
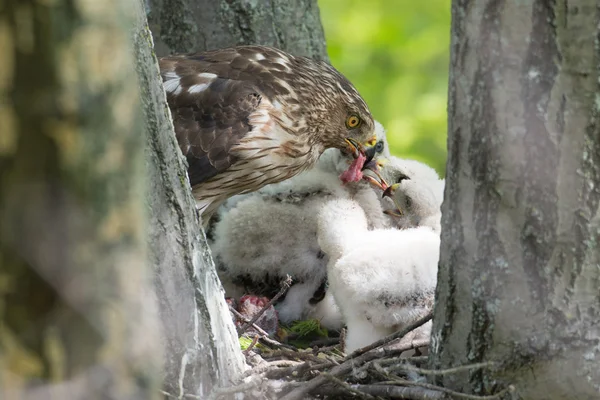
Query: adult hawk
249, 116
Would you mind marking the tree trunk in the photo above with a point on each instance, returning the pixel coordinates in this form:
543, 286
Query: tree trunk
183, 26
78, 318
520, 265
202, 350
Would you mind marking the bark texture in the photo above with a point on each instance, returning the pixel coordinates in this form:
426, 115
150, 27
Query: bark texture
201, 346
183, 26
78, 318
520, 258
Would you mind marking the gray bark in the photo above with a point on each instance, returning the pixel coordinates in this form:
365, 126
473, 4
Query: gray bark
183, 26
520, 265
78, 318
200, 341
198, 328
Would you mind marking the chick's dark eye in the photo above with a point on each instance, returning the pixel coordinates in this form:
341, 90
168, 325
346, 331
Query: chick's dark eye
401, 177
379, 147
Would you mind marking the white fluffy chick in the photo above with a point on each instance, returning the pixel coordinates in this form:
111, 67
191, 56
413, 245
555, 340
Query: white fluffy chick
381, 279
417, 190
263, 236
415, 195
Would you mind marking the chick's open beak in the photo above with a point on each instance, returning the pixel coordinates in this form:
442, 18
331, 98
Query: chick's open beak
389, 191
375, 168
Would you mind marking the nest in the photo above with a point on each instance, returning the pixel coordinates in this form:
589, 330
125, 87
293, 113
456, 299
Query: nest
391, 368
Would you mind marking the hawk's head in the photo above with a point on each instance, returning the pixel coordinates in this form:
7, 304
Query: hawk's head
337, 114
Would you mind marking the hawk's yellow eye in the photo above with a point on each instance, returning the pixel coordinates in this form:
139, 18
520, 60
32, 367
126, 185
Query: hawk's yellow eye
353, 121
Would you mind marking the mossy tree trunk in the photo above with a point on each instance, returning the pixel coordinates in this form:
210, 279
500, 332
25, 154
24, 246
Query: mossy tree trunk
201, 346
78, 318
520, 259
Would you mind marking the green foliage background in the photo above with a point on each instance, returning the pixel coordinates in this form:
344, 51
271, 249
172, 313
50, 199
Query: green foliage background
396, 53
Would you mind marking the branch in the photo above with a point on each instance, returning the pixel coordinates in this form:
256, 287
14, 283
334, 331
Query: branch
247, 320
265, 367
403, 366
396, 380
346, 387
254, 341
399, 392
264, 336
459, 395
390, 353
295, 354
396, 335
299, 370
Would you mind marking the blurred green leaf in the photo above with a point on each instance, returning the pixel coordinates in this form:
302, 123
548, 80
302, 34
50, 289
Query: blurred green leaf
308, 327
396, 52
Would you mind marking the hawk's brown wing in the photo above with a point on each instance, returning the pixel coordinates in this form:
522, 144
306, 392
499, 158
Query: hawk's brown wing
211, 95
210, 123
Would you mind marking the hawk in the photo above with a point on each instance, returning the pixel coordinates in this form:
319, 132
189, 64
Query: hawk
249, 116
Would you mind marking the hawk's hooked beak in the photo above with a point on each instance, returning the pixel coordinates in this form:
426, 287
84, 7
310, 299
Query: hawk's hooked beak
370, 153
354, 147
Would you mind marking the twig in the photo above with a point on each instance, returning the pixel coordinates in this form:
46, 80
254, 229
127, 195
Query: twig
296, 354
404, 382
407, 367
495, 396
285, 285
324, 348
392, 352
399, 349
392, 337
246, 320
325, 342
346, 387
417, 359
264, 335
270, 365
298, 370
399, 392
254, 341
382, 371
343, 338
274, 342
